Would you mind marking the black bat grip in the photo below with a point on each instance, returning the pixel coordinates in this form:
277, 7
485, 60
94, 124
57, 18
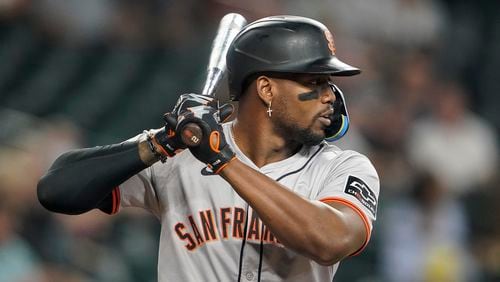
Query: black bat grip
191, 134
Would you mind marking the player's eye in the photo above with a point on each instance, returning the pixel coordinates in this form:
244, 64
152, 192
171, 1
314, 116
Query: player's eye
318, 82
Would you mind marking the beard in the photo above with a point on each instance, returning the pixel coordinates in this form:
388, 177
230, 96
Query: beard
287, 126
307, 137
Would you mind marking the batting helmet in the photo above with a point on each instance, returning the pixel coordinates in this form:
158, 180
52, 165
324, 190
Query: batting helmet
286, 44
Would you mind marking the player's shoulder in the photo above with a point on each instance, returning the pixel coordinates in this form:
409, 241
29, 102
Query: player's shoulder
334, 158
330, 151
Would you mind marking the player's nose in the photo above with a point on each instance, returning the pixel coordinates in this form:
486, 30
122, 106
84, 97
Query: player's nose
327, 95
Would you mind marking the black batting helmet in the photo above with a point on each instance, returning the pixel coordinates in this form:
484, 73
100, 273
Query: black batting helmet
284, 44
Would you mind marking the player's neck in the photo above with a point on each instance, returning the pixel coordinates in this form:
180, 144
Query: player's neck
259, 143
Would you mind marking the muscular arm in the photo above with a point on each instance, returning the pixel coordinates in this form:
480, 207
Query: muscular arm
324, 232
81, 180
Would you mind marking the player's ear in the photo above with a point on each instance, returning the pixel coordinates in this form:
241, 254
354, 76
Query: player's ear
264, 87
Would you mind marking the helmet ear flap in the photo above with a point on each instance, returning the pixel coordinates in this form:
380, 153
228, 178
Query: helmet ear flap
340, 118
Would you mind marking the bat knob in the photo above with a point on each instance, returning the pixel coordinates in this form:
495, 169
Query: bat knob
191, 135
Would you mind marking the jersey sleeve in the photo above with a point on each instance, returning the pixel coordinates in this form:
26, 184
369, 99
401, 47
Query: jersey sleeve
139, 191
354, 182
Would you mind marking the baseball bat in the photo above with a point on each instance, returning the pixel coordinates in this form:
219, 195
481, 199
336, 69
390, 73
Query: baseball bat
229, 27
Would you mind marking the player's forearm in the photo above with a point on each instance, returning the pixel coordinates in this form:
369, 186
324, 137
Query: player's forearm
313, 229
80, 179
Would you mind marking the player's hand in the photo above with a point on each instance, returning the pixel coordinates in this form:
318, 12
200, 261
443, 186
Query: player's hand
212, 149
191, 100
166, 141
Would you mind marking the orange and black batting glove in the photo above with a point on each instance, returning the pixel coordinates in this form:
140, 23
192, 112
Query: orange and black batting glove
212, 149
166, 142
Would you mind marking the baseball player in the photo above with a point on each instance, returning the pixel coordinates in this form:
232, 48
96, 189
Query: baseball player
261, 198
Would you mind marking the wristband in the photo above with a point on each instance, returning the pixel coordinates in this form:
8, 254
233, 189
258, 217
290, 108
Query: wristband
153, 145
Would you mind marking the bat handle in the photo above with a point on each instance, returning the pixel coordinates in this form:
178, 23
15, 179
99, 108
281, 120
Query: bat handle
191, 134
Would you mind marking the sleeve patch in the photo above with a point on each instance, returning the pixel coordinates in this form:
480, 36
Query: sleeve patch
358, 188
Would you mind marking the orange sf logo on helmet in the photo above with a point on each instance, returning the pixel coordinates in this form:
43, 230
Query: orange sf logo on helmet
329, 38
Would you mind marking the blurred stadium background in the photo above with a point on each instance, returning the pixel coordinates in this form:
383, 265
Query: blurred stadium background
79, 73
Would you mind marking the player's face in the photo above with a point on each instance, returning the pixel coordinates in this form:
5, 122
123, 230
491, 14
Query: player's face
302, 106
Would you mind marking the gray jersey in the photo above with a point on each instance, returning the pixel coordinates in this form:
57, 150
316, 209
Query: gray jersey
209, 233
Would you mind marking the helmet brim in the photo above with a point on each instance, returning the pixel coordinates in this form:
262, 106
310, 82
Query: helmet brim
333, 66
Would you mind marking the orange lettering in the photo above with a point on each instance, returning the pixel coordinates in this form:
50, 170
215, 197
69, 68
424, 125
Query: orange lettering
209, 227
254, 231
179, 230
225, 214
196, 232
238, 219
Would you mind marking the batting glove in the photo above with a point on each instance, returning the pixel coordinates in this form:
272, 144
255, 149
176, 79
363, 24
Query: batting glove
165, 142
192, 100
212, 148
